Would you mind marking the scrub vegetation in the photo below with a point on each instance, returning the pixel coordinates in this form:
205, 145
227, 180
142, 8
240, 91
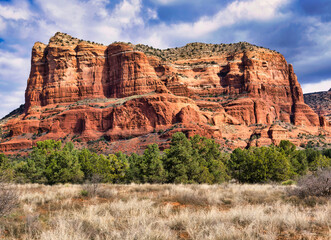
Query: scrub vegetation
165, 211
191, 190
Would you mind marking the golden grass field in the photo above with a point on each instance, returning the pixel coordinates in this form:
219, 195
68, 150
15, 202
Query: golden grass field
227, 211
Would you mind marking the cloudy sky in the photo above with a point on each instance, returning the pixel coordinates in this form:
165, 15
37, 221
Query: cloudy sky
299, 29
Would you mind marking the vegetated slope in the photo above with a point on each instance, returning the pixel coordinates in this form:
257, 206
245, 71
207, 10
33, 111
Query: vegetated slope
125, 96
320, 102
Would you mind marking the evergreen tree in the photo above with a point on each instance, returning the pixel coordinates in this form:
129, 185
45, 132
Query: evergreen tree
316, 160
277, 164
287, 146
62, 166
133, 173
211, 160
151, 166
87, 161
110, 168
178, 161
6, 171
299, 163
259, 165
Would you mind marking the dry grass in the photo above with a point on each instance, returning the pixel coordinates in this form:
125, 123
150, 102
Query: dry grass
226, 211
8, 198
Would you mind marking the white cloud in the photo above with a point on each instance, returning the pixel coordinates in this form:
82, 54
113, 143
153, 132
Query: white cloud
90, 19
318, 55
234, 13
14, 69
258, 10
166, 2
151, 14
178, 2
127, 13
10, 101
2, 25
17, 11
14, 72
324, 85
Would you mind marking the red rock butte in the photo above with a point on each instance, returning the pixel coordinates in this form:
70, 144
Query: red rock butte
130, 95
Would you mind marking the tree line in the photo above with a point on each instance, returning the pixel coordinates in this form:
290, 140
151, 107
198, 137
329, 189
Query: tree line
188, 160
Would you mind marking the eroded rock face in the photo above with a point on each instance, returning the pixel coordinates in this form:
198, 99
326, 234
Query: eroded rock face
320, 102
87, 91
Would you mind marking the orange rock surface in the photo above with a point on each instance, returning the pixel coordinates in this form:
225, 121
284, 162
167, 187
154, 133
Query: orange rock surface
86, 91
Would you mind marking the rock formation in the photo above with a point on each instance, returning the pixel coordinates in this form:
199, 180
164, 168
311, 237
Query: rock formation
320, 102
78, 90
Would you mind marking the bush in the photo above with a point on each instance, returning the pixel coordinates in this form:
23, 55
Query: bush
327, 152
149, 166
188, 160
299, 163
84, 193
317, 184
8, 199
194, 160
111, 168
178, 161
288, 182
257, 165
91, 187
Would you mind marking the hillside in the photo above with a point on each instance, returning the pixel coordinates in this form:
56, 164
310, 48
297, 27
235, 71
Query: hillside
320, 102
125, 96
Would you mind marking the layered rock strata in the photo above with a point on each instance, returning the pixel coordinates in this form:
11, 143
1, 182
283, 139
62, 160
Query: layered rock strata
77, 89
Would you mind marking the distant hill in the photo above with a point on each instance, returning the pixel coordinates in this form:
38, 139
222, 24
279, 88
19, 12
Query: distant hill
320, 102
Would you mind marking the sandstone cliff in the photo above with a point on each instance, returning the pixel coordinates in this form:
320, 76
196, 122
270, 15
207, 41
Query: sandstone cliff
78, 90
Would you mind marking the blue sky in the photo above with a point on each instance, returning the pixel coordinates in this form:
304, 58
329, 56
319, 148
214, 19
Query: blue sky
299, 29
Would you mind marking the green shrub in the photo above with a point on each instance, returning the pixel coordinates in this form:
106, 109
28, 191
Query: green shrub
194, 160
197, 160
84, 193
288, 182
259, 165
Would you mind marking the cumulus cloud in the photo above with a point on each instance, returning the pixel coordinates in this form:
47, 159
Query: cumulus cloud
10, 101
14, 12
17, 11
2, 25
14, 69
127, 13
324, 85
13, 75
166, 2
91, 19
233, 13
151, 13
